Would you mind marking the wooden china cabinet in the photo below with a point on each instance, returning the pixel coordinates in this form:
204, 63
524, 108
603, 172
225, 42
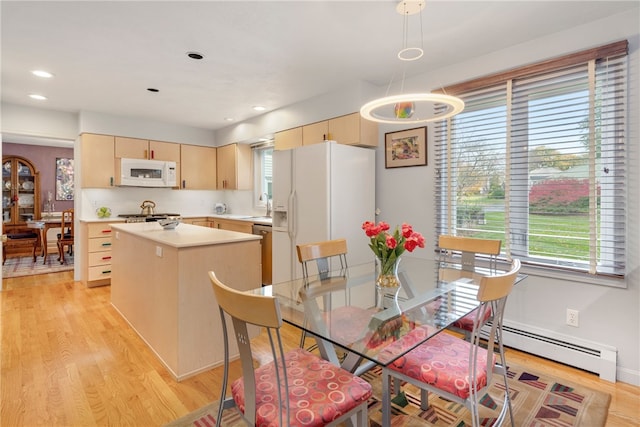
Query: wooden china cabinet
20, 194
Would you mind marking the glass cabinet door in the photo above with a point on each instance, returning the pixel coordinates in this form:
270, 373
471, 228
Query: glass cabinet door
6, 191
19, 191
25, 189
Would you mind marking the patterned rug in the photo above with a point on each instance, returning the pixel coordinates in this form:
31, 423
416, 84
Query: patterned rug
24, 266
538, 401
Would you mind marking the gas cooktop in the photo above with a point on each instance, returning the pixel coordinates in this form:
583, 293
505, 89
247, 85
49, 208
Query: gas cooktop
147, 218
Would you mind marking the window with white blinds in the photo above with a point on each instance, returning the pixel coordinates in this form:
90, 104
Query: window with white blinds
537, 159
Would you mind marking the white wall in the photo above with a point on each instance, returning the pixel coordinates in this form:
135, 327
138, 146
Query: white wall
36, 122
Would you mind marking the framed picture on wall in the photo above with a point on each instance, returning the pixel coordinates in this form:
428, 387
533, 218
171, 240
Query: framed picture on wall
406, 148
64, 179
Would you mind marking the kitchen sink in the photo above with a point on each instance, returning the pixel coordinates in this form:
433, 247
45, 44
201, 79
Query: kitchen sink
232, 216
260, 217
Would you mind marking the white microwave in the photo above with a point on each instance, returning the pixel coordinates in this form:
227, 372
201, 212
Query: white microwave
146, 173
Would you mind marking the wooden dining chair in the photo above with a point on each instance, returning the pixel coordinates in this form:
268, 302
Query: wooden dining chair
65, 237
457, 369
463, 253
296, 387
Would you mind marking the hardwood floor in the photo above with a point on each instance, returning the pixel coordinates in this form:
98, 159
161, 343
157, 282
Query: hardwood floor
69, 359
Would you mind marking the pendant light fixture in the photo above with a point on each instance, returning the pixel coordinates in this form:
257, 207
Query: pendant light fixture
411, 108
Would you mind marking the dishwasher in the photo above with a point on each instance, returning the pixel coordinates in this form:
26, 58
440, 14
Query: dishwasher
265, 232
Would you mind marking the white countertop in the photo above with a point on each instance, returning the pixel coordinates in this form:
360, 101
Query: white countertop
184, 235
264, 220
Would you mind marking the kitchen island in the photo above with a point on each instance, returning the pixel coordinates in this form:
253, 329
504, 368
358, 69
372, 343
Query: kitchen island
160, 285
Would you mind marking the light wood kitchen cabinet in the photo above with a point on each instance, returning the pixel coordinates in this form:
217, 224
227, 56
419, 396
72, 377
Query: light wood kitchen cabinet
233, 225
135, 148
352, 129
315, 133
287, 139
203, 221
198, 167
98, 161
96, 262
234, 167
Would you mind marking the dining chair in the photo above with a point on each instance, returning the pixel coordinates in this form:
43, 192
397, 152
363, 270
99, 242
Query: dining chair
65, 237
454, 368
296, 387
464, 252
321, 254
20, 240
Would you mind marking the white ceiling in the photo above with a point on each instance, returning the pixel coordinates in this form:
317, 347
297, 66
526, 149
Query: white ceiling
105, 54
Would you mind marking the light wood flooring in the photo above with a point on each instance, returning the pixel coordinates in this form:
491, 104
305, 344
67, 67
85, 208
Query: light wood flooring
69, 359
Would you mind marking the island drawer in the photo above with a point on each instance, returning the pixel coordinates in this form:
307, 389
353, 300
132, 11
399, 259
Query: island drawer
99, 244
99, 258
98, 230
99, 272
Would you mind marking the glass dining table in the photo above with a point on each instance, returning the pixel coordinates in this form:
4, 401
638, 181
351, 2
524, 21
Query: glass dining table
354, 322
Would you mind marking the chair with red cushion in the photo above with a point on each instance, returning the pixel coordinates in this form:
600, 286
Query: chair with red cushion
464, 254
296, 387
454, 368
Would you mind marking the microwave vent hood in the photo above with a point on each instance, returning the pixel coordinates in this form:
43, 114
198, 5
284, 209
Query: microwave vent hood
145, 173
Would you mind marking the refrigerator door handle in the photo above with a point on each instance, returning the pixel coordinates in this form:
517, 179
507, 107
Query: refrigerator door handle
292, 215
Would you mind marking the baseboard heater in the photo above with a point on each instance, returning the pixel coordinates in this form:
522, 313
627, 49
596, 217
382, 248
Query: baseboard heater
589, 356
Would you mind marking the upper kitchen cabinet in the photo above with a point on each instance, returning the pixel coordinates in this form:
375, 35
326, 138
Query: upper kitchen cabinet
352, 129
315, 133
234, 167
287, 139
198, 167
97, 157
20, 193
134, 148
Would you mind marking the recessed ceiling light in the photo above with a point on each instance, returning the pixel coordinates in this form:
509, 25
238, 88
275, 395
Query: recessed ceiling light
229, 119
38, 97
195, 55
153, 89
42, 73
259, 108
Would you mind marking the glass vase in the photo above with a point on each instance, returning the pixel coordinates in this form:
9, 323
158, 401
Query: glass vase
387, 283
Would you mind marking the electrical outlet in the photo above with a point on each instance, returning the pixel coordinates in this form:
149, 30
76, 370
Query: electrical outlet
572, 317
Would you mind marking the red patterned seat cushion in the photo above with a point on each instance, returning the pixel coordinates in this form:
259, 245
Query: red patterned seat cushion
443, 362
319, 391
466, 322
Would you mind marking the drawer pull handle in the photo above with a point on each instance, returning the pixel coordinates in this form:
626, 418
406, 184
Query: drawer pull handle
106, 231
106, 257
106, 244
106, 271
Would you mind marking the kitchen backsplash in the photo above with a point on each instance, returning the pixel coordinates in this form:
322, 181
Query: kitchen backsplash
183, 202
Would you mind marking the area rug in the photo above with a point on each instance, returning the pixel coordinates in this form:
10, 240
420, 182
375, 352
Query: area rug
24, 266
538, 400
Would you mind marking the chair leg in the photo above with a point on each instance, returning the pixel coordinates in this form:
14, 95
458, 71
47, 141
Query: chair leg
61, 253
386, 398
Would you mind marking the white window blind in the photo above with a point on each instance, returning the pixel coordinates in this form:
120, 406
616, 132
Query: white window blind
538, 161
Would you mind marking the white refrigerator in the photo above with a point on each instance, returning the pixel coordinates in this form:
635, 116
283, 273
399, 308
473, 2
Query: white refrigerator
321, 192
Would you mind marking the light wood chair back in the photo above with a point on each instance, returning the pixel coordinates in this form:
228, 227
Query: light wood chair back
258, 385
469, 248
322, 253
498, 286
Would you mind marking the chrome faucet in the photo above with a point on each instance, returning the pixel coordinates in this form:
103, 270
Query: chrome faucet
265, 196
